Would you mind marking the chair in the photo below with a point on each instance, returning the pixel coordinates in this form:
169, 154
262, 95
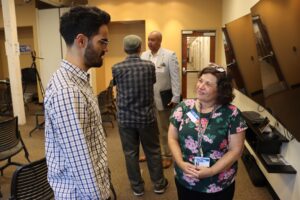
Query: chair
29, 80
5, 98
38, 124
111, 98
11, 142
106, 113
113, 194
30, 182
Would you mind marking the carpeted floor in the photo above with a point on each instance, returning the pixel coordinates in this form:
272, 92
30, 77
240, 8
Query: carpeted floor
35, 144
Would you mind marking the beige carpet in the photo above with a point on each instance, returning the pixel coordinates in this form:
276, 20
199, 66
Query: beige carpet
35, 144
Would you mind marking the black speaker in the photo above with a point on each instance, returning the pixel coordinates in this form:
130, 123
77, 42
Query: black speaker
268, 145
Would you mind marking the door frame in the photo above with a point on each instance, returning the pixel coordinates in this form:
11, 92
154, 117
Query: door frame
184, 53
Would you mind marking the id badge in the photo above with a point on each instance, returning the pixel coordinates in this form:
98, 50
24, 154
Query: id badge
202, 161
193, 116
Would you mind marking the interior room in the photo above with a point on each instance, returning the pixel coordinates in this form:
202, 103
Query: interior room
257, 41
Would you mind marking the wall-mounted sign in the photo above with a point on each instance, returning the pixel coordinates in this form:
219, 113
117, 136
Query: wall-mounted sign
24, 48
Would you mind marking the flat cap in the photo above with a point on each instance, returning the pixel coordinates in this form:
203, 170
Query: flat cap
131, 42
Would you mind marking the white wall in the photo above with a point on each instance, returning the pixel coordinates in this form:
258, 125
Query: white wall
52, 47
285, 185
233, 9
49, 43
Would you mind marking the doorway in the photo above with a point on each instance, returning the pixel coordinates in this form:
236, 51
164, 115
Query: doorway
198, 50
117, 31
29, 81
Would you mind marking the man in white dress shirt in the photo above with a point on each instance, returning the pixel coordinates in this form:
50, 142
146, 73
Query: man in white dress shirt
167, 77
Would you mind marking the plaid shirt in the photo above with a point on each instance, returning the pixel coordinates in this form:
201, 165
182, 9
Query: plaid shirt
134, 79
75, 142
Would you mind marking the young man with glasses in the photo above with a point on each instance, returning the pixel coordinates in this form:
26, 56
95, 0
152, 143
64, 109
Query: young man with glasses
75, 141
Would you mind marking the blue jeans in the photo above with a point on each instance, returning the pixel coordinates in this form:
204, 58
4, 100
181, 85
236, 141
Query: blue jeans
149, 138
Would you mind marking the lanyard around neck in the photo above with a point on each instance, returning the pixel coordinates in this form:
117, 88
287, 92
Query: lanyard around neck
201, 130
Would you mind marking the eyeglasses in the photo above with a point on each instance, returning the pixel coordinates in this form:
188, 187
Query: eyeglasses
104, 42
217, 67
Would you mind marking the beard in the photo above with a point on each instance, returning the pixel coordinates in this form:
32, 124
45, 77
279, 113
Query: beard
92, 58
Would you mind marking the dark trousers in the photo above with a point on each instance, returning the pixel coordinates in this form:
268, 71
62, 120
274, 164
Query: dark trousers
184, 193
149, 138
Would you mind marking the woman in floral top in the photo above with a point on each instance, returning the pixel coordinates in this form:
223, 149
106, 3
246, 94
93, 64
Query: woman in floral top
206, 137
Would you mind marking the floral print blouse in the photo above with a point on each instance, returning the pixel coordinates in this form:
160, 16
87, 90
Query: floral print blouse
219, 124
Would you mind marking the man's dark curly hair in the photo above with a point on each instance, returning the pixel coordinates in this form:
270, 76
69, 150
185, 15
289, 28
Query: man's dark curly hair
224, 83
82, 19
